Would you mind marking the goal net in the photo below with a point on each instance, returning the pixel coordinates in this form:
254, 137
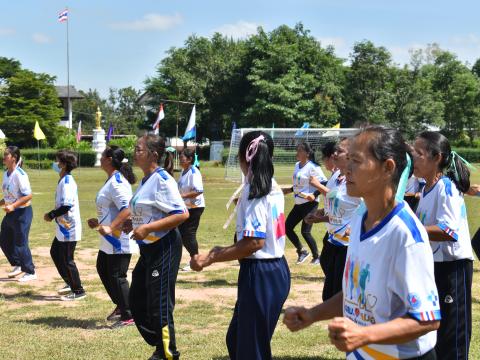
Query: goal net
286, 141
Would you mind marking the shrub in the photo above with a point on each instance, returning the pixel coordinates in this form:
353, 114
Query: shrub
126, 143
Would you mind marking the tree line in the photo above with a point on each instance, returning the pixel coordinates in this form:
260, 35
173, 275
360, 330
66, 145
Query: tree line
281, 78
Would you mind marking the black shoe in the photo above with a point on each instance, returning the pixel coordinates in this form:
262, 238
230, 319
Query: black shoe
302, 256
115, 315
155, 356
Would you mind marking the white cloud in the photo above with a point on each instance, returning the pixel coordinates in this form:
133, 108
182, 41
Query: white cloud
239, 30
336, 42
41, 38
6, 31
150, 22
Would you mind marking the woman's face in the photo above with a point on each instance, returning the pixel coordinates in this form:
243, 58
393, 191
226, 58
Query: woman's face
341, 155
243, 165
105, 162
423, 164
9, 160
365, 175
185, 162
329, 163
302, 155
141, 155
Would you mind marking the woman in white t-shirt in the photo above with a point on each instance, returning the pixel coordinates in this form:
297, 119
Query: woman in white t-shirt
388, 308
17, 195
264, 277
116, 248
68, 226
306, 200
190, 185
156, 210
442, 211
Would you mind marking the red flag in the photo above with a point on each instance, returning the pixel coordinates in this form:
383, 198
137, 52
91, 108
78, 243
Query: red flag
160, 116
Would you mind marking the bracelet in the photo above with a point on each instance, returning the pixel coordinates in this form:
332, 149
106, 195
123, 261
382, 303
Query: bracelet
316, 193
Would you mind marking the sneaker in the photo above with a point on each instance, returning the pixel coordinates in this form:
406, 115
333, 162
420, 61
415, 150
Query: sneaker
73, 296
315, 261
64, 290
17, 270
186, 268
302, 256
28, 277
122, 323
155, 356
115, 315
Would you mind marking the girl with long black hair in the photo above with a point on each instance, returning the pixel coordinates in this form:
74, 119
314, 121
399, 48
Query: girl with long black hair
441, 209
264, 277
306, 200
116, 248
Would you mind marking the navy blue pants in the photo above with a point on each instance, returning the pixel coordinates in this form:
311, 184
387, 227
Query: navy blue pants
14, 238
263, 287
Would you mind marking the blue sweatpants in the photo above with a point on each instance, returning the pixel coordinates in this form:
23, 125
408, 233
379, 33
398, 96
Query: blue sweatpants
14, 238
263, 287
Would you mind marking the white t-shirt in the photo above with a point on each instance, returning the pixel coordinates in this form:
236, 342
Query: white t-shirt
113, 197
156, 197
389, 274
414, 185
443, 205
301, 180
340, 209
189, 181
263, 218
69, 225
15, 186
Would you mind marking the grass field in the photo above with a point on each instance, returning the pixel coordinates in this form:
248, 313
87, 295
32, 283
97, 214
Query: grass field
36, 325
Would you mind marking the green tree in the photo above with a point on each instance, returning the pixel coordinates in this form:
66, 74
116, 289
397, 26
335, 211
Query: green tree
369, 85
25, 98
84, 110
476, 68
126, 113
8, 68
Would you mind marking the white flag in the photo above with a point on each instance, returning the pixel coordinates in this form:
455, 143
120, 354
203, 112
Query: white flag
190, 132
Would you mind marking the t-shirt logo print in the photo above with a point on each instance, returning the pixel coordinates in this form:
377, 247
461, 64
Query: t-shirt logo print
414, 300
155, 273
448, 299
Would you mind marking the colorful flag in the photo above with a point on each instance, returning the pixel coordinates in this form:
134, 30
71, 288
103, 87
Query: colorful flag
190, 131
300, 131
37, 132
337, 126
160, 116
110, 132
79, 131
63, 16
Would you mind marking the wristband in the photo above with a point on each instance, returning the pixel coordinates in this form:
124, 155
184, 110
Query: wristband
316, 193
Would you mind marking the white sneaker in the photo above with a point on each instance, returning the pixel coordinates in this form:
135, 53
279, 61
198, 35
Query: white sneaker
28, 277
64, 290
186, 268
17, 270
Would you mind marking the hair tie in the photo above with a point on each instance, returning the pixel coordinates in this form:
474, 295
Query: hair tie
170, 149
124, 161
251, 152
454, 154
402, 184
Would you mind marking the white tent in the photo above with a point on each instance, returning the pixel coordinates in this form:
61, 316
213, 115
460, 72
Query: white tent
2, 135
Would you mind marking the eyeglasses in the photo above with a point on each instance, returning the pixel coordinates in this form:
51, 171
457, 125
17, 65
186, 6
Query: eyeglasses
138, 150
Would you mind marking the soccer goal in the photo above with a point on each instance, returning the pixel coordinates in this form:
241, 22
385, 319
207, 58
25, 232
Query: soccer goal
286, 141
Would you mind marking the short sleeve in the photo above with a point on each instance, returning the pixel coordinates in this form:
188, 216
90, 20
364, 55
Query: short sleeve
24, 185
167, 197
68, 191
447, 216
121, 195
255, 218
197, 183
318, 173
415, 283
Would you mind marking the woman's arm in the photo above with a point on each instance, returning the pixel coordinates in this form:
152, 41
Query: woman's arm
437, 234
116, 223
191, 194
20, 201
348, 336
167, 223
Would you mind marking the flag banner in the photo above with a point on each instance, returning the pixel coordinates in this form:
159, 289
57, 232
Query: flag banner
37, 132
190, 131
63, 16
79, 131
160, 116
337, 126
300, 131
110, 132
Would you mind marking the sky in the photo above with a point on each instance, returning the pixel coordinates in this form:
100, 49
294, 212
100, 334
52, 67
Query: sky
120, 43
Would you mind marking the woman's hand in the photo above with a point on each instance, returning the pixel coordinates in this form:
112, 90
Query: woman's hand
9, 208
297, 318
346, 335
92, 223
310, 197
315, 216
127, 226
197, 262
47, 217
140, 232
105, 230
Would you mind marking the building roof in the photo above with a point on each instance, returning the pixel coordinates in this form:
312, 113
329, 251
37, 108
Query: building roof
63, 93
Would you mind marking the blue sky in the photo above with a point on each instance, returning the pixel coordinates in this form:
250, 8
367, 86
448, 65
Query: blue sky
119, 43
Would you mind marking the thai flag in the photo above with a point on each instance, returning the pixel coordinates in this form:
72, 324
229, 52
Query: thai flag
63, 16
160, 116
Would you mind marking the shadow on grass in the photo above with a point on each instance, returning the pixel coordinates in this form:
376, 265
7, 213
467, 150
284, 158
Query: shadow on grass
475, 300
65, 322
311, 278
208, 283
287, 357
29, 295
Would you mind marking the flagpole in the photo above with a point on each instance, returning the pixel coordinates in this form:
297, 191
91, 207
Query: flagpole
70, 125
38, 154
